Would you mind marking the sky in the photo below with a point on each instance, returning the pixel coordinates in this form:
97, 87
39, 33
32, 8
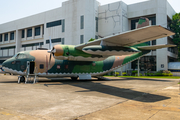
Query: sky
15, 9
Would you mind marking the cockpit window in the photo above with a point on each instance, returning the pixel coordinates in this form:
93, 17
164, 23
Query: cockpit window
21, 56
15, 55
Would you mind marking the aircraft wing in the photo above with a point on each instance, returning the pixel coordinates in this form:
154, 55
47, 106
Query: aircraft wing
131, 38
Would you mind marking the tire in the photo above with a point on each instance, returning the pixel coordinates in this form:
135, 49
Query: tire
74, 78
22, 79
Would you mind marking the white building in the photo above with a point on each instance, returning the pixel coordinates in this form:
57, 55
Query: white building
78, 21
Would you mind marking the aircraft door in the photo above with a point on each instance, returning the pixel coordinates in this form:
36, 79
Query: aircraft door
30, 67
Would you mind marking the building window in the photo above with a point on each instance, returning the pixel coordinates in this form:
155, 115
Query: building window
82, 22
37, 31
6, 37
5, 48
22, 35
0, 37
41, 66
62, 42
96, 24
154, 42
146, 63
81, 39
96, 37
54, 40
33, 44
63, 25
54, 23
12, 36
29, 32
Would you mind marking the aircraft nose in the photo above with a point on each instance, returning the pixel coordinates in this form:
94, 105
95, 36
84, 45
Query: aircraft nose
3, 64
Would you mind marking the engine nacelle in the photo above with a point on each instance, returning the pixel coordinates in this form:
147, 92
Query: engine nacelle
68, 52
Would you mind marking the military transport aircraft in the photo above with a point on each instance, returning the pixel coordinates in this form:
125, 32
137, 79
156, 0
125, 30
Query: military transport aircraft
91, 59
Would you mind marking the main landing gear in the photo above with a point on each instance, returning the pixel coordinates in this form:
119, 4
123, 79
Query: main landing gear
21, 79
74, 78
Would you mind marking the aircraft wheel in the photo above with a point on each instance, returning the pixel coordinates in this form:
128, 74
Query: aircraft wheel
22, 79
74, 78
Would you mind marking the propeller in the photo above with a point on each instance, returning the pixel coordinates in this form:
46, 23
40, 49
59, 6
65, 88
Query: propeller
50, 51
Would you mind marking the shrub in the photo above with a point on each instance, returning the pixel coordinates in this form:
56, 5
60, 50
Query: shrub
116, 73
124, 73
134, 72
158, 74
163, 73
140, 74
167, 73
112, 73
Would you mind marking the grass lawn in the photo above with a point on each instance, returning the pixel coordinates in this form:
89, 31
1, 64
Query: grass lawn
165, 77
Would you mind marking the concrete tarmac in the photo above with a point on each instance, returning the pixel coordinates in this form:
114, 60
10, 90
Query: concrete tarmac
64, 99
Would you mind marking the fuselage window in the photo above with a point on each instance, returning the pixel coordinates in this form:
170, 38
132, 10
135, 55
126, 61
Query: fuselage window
58, 66
15, 62
41, 66
66, 66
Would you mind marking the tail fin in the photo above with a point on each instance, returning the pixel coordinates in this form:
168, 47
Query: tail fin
143, 22
154, 47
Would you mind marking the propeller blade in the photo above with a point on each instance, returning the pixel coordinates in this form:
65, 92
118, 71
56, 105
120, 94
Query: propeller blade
49, 61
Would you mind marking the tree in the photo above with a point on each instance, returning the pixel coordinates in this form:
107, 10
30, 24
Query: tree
175, 27
91, 40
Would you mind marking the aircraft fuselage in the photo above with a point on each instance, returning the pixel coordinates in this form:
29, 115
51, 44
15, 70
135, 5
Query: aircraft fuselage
64, 68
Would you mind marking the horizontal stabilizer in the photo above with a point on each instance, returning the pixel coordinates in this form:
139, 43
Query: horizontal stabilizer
154, 47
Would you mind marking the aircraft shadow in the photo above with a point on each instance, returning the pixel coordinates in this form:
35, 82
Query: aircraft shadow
111, 90
144, 79
90, 86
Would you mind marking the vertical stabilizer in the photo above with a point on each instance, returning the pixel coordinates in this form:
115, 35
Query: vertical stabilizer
143, 22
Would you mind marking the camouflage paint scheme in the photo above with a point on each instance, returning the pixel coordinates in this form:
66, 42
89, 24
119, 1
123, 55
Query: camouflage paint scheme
71, 62
66, 67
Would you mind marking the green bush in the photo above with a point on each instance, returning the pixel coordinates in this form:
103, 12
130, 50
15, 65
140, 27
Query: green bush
112, 73
134, 72
149, 74
124, 73
163, 73
167, 73
140, 74
158, 74
116, 73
